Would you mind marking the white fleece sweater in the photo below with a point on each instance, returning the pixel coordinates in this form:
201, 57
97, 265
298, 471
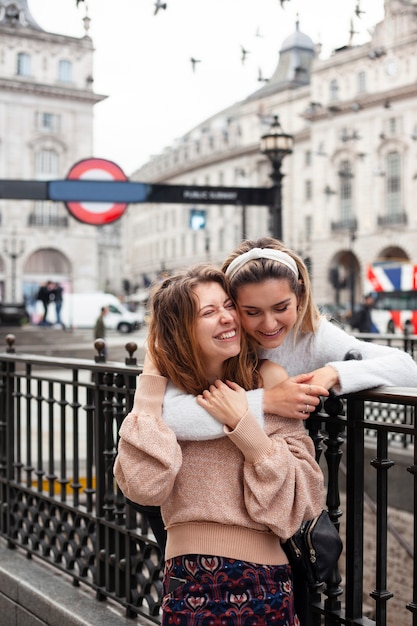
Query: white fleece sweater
380, 365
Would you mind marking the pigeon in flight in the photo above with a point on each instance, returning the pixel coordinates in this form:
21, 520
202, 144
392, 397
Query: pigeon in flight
358, 11
244, 53
194, 62
159, 5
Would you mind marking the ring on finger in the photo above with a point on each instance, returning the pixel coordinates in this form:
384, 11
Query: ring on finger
307, 408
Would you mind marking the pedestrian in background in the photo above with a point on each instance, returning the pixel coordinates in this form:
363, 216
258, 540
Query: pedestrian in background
56, 297
44, 295
362, 320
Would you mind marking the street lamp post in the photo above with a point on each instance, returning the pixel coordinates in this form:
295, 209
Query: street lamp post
13, 253
276, 145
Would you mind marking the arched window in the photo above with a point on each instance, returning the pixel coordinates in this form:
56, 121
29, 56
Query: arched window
393, 183
65, 71
23, 64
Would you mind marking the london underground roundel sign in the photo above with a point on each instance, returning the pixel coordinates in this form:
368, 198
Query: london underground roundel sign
96, 213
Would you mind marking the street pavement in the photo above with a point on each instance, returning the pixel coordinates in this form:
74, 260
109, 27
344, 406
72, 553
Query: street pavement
77, 343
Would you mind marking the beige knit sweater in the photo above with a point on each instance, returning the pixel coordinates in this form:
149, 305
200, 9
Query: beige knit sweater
234, 497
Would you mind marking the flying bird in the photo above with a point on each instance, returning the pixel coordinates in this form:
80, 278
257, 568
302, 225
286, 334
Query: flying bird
194, 62
352, 32
260, 77
282, 2
78, 2
244, 53
258, 32
358, 11
159, 5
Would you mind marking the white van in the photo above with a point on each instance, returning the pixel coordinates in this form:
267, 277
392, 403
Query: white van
80, 310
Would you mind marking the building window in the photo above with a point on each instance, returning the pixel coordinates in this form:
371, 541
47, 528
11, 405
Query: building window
49, 214
308, 189
65, 71
47, 122
392, 126
345, 188
334, 90
393, 183
46, 164
23, 64
46, 213
307, 157
361, 82
308, 226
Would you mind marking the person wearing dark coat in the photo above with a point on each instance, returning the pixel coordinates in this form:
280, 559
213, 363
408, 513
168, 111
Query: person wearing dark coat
44, 295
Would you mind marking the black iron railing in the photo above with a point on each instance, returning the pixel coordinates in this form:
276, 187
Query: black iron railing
59, 502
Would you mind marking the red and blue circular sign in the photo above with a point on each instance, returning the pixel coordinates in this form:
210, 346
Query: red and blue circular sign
96, 213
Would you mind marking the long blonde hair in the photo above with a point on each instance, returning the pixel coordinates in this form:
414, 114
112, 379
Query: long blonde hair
172, 342
258, 270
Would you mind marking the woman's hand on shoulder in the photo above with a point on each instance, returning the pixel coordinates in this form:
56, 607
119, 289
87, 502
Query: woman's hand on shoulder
226, 402
294, 397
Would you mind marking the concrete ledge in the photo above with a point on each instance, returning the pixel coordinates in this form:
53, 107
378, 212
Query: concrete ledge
34, 594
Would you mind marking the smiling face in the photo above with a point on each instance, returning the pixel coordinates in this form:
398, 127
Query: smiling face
268, 310
217, 328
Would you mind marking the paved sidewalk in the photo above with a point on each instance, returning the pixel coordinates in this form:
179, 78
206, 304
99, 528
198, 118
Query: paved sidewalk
51, 341
34, 594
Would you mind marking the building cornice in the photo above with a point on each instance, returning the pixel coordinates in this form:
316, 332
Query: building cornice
44, 36
208, 160
49, 91
319, 113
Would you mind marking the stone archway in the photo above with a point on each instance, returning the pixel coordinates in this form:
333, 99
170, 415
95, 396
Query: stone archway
393, 253
344, 276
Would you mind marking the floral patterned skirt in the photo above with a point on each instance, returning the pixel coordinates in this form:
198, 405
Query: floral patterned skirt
215, 591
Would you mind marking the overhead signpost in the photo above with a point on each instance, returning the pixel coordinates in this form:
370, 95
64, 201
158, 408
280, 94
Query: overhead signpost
98, 192
94, 212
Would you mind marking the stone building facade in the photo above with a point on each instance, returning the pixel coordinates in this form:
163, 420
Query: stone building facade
350, 184
46, 126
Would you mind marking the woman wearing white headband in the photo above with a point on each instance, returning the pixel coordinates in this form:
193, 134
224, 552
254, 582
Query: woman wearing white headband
272, 289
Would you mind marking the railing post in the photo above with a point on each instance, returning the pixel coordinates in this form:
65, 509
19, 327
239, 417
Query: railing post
334, 406
382, 464
412, 606
355, 462
7, 416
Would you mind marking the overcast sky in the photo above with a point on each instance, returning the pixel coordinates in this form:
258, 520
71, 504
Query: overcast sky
142, 61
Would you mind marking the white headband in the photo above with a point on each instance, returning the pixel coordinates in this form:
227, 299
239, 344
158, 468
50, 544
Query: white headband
261, 253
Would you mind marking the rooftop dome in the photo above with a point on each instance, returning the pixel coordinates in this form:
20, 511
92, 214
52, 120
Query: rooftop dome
297, 40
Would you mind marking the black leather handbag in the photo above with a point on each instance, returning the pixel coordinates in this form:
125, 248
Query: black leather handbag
313, 551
